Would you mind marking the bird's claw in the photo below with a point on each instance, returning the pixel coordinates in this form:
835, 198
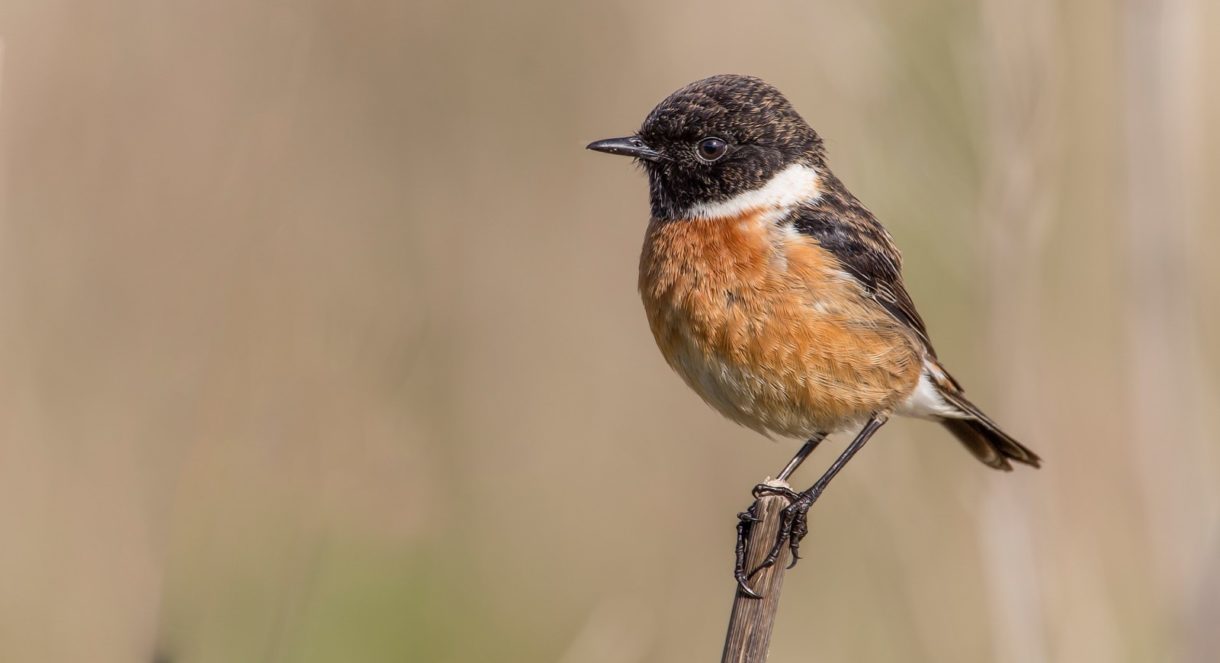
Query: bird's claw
745, 521
793, 526
771, 489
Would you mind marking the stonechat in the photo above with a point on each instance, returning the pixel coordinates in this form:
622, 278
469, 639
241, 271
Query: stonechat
775, 294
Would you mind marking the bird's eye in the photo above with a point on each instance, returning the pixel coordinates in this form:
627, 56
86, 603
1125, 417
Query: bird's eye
710, 149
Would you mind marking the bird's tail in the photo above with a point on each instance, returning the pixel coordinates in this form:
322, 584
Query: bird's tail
978, 433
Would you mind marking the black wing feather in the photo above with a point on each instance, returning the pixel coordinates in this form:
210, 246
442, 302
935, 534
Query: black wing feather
842, 226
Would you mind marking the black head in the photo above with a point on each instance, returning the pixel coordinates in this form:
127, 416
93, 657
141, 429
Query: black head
714, 139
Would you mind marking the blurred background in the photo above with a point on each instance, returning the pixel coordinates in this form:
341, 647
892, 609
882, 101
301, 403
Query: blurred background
319, 338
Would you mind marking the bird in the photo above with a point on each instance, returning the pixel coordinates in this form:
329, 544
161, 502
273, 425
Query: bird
776, 295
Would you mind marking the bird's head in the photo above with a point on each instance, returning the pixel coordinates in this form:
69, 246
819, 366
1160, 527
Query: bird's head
720, 146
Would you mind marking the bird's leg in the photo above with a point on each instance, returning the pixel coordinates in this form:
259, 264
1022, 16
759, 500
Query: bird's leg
793, 521
747, 518
801, 454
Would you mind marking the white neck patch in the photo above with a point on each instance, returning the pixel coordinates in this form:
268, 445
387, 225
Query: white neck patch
789, 187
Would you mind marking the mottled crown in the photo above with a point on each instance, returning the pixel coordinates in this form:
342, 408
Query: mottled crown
744, 109
764, 132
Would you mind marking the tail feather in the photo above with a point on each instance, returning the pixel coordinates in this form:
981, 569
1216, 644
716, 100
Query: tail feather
986, 440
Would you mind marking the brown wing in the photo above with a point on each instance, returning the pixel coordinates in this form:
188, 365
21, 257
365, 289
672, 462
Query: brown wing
839, 224
842, 226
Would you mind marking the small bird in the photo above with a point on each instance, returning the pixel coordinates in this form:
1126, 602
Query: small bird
776, 295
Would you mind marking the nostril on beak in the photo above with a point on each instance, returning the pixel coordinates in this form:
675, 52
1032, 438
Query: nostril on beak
632, 146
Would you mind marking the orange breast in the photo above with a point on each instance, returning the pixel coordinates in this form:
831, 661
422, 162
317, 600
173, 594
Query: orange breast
764, 325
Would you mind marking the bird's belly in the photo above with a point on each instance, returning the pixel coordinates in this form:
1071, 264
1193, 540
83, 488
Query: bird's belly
772, 402
774, 337
788, 384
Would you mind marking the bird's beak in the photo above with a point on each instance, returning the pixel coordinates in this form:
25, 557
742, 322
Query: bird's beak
631, 146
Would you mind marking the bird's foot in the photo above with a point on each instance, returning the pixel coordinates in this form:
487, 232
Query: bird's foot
775, 489
745, 523
793, 526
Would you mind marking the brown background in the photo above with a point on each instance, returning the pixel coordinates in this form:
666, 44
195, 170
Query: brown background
319, 339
